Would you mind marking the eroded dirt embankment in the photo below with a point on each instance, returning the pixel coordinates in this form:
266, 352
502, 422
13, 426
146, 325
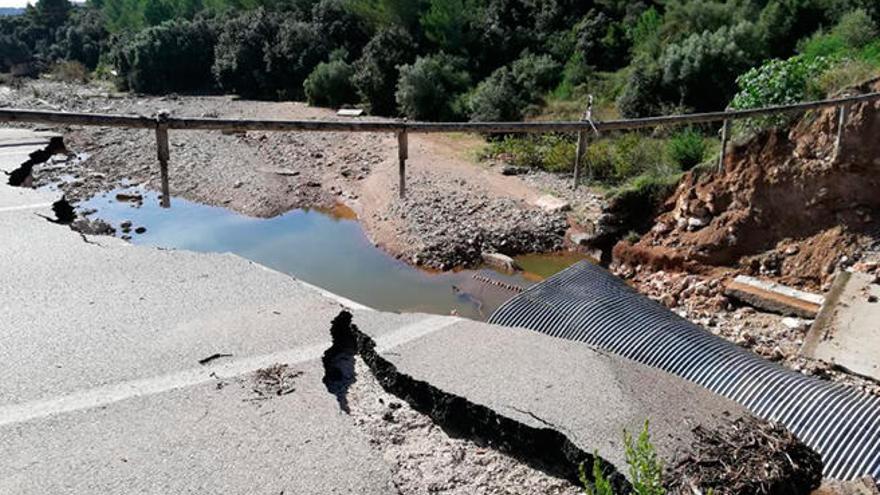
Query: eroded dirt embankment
786, 205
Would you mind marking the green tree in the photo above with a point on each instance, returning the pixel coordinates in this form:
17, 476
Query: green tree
448, 24
52, 13
239, 57
387, 13
432, 88
330, 84
497, 98
377, 71
702, 69
298, 48
173, 56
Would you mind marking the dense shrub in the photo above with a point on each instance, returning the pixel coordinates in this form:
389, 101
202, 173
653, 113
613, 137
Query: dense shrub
340, 27
856, 29
432, 88
643, 94
497, 98
448, 24
299, 47
507, 93
702, 68
686, 148
239, 59
377, 71
535, 75
778, 82
13, 51
602, 41
85, 37
173, 56
70, 71
330, 85
616, 160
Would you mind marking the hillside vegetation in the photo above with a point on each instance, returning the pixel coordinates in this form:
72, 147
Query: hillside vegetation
475, 60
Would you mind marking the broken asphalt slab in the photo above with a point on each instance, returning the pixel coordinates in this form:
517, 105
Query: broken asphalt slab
555, 403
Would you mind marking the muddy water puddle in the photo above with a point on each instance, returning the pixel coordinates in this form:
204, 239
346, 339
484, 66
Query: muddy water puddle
328, 249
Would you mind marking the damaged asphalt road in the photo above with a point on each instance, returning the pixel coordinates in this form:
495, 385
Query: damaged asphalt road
103, 391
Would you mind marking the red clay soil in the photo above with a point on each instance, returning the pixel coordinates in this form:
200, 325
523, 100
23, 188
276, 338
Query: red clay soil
784, 206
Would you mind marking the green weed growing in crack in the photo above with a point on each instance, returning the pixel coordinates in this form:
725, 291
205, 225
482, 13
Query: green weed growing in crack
645, 468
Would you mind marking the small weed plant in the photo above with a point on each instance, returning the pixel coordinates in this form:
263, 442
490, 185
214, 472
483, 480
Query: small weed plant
645, 469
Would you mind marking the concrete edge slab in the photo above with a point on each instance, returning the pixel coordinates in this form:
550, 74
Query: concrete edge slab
825, 318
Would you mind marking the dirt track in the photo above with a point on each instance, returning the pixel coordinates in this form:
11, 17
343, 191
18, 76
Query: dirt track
455, 208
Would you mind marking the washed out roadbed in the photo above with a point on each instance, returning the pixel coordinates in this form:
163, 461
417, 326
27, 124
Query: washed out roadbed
455, 208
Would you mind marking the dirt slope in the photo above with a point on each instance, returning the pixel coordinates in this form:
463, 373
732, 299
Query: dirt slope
786, 205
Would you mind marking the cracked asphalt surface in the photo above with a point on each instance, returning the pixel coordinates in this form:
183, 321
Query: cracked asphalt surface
104, 392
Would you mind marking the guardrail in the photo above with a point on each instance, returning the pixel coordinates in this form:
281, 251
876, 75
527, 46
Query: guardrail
163, 122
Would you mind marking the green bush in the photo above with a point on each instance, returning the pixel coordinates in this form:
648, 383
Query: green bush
856, 29
701, 69
551, 152
615, 160
330, 85
845, 74
377, 70
821, 44
535, 75
602, 41
85, 37
778, 82
239, 56
68, 71
497, 98
871, 53
686, 148
432, 88
643, 94
173, 56
298, 49
610, 160
517, 151
509, 92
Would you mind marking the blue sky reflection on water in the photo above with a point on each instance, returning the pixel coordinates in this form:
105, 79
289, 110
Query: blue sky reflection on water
315, 246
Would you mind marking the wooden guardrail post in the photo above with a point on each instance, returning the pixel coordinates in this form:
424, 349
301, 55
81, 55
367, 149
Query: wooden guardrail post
164, 154
841, 123
582, 141
579, 157
725, 136
402, 155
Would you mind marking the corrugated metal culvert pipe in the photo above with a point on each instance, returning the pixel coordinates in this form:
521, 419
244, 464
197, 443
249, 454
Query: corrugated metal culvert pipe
588, 304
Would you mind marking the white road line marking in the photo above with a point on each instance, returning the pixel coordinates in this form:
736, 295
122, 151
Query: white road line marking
117, 392
25, 207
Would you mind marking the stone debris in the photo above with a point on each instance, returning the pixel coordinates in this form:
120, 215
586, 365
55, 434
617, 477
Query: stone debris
552, 204
500, 261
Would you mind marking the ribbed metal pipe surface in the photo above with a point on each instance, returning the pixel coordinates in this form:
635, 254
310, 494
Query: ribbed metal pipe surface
588, 304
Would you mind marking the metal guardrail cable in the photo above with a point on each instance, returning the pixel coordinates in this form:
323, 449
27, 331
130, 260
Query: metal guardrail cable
585, 303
